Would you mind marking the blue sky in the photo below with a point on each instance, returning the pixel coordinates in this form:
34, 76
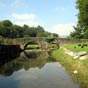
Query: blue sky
56, 16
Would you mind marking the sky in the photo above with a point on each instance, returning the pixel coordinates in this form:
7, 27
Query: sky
56, 16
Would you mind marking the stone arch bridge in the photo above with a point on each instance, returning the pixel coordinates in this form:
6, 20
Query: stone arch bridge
23, 42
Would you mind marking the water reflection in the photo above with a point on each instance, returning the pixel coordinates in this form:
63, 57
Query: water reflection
37, 54
25, 60
5, 57
34, 70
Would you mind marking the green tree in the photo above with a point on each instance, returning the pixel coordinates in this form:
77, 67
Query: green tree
17, 31
7, 23
40, 29
82, 6
5, 28
55, 35
42, 34
26, 30
82, 25
77, 34
86, 34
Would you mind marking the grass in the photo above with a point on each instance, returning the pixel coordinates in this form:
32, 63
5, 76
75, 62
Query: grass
76, 48
33, 46
72, 65
36, 46
53, 46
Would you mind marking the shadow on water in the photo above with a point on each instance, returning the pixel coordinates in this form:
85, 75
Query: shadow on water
8, 53
5, 57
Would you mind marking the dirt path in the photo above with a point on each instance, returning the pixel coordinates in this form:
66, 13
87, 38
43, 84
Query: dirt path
82, 55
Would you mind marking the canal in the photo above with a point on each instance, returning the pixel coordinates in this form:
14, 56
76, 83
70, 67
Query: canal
32, 69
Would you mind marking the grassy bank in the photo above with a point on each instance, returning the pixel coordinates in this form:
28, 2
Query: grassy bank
72, 66
77, 47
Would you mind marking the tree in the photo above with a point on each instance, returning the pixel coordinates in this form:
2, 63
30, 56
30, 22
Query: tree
55, 35
77, 34
16, 31
7, 23
82, 6
7, 29
40, 29
86, 34
82, 25
3, 30
42, 34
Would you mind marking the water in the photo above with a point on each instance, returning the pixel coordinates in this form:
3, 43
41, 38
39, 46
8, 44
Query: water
34, 70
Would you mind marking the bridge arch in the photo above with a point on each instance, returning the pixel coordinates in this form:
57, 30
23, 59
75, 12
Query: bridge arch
57, 45
31, 43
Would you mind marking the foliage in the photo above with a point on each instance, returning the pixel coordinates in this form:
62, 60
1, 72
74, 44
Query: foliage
55, 35
42, 34
81, 30
86, 34
8, 29
7, 23
49, 40
82, 6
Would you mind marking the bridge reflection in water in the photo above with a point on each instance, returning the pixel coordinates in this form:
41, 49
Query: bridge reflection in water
33, 69
14, 62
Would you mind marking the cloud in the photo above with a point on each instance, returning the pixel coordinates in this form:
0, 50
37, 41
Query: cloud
24, 16
29, 19
62, 29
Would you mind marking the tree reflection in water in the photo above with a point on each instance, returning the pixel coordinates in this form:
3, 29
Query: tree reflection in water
25, 60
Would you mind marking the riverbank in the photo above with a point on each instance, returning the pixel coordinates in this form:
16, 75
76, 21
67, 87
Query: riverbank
77, 68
